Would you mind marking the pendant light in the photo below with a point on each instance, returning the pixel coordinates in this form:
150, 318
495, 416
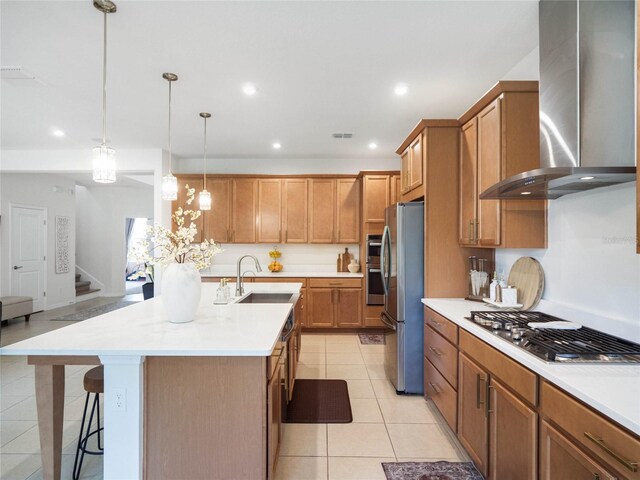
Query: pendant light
104, 157
169, 182
204, 197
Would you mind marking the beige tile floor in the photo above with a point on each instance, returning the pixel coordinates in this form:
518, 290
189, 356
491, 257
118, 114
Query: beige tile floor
386, 427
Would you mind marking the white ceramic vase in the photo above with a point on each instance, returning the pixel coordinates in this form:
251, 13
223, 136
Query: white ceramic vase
181, 288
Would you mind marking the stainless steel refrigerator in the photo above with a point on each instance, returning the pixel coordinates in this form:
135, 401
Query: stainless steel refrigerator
402, 270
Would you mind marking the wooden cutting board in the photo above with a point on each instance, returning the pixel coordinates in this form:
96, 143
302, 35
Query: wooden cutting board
528, 277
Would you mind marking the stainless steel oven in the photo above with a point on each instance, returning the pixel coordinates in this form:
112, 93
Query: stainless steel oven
373, 276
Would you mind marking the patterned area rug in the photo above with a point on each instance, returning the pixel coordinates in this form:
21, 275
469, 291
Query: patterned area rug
366, 339
92, 312
431, 471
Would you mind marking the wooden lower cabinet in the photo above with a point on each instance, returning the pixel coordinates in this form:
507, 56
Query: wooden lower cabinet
349, 307
473, 419
335, 307
320, 313
274, 419
512, 436
561, 459
442, 394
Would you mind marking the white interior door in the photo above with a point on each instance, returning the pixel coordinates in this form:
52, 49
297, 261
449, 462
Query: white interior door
28, 254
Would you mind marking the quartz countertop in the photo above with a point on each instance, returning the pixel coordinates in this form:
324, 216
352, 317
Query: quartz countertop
611, 389
143, 329
284, 274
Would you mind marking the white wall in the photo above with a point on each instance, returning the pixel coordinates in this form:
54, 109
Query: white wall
38, 190
284, 166
526, 69
591, 262
101, 214
295, 258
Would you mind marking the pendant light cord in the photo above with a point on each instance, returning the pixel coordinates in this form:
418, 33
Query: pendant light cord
170, 126
204, 160
104, 84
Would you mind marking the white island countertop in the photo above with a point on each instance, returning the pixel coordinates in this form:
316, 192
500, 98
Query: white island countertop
284, 274
143, 329
613, 390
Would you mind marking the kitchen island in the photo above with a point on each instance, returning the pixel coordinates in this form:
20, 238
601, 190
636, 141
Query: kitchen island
181, 400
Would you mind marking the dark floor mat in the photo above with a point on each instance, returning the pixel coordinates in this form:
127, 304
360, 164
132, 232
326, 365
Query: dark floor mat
319, 401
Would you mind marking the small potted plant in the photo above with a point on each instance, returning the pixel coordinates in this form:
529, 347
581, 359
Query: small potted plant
181, 258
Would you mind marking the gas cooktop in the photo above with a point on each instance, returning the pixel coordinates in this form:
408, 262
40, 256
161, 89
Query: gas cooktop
583, 345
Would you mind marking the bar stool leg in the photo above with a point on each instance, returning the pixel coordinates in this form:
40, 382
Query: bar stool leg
76, 467
100, 447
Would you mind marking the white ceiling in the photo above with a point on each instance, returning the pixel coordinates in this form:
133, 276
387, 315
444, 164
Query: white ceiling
320, 67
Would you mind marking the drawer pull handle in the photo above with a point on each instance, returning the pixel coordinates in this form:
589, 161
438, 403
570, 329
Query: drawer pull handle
437, 324
435, 388
633, 466
435, 351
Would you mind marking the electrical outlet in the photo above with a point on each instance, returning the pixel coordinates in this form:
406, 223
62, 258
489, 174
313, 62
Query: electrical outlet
120, 398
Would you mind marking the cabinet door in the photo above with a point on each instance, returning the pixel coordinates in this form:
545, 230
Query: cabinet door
217, 220
560, 459
243, 217
322, 206
405, 165
269, 210
376, 197
489, 172
182, 202
321, 304
468, 181
274, 414
349, 307
416, 162
295, 217
473, 430
513, 434
348, 210
396, 189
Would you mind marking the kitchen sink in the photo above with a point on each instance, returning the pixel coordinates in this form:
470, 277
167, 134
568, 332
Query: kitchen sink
255, 297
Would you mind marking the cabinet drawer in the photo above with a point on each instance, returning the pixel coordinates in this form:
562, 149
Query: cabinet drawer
303, 281
599, 436
335, 282
442, 394
443, 326
442, 355
519, 379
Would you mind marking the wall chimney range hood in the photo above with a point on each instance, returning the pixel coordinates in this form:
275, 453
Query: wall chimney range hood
587, 92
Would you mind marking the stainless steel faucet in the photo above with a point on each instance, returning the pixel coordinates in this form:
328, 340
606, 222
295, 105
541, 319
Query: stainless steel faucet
239, 278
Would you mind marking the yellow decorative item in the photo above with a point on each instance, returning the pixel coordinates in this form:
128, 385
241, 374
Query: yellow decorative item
275, 266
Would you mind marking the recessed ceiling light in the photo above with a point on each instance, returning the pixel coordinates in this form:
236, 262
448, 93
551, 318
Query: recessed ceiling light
249, 89
373, 145
276, 145
57, 132
525, 193
587, 178
401, 89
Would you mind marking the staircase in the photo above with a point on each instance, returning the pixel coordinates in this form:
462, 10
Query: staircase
83, 287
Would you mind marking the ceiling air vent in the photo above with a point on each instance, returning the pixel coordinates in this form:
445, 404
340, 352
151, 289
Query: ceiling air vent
342, 135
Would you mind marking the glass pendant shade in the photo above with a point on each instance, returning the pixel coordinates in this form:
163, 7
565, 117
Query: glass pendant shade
169, 187
104, 164
204, 200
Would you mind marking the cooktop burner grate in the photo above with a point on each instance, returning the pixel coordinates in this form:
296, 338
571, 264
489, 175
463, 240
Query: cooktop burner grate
583, 344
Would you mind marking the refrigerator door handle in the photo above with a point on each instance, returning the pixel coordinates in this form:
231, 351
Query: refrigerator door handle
385, 255
384, 318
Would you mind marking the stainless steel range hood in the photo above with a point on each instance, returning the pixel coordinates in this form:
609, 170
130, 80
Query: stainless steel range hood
587, 97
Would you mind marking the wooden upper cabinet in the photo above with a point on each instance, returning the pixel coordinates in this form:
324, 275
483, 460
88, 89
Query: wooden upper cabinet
322, 210
405, 160
348, 210
416, 162
182, 202
217, 221
396, 189
295, 216
489, 173
269, 220
500, 137
376, 197
243, 219
468, 174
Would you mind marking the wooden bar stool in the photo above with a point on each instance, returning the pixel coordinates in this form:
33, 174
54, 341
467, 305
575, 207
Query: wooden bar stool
93, 384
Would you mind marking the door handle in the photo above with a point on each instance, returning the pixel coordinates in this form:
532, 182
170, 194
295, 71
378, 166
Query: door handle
470, 236
15, 267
